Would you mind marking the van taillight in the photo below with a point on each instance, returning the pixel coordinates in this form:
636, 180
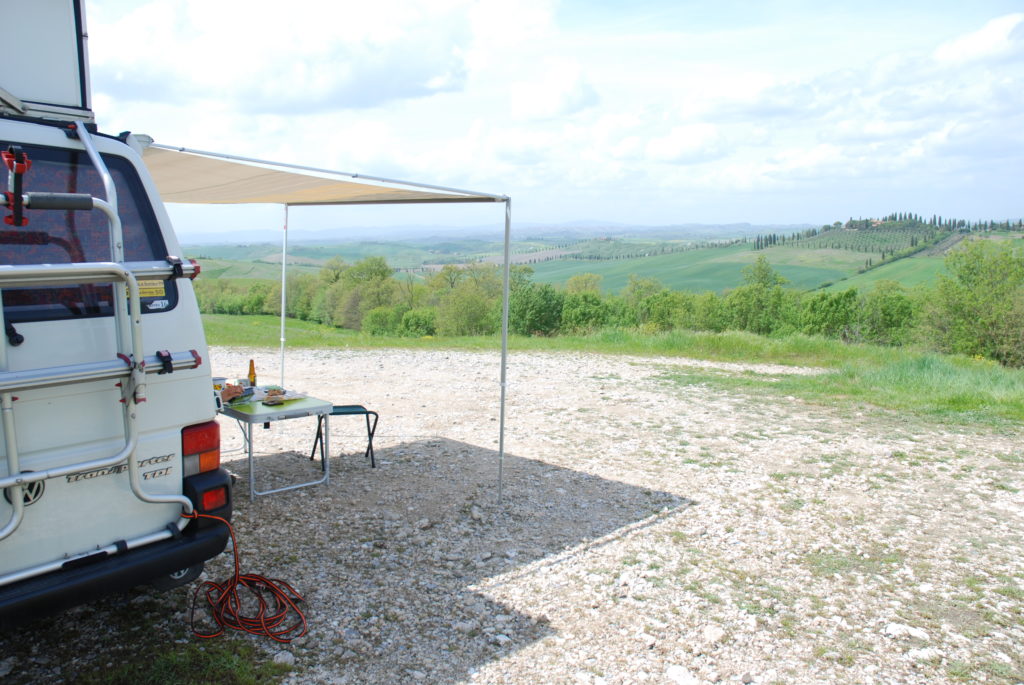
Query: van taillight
215, 499
200, 448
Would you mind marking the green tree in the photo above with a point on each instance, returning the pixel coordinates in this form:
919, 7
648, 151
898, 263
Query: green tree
367, 285
467, 309
584, 283
332, 270
667, 309
976, 309
761, 305
302, 289
761, 274
887, 314
535, 308
709, 313
635, 298
446, 279
411, 293
834, 315
585, 311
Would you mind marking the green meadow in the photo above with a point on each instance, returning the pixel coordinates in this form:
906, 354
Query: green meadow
832, 259
911, 272
224, 268
714, 268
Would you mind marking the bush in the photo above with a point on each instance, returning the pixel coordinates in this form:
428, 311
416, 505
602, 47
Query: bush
381, 321
833, 315
667, 310
709, 313
417, 323
467, 310
535, 308
583, 312
888, 314
977, 309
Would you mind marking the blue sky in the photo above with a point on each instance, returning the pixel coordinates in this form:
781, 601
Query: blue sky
644, 112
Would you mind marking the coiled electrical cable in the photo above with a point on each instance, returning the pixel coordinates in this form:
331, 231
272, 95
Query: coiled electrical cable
274, 600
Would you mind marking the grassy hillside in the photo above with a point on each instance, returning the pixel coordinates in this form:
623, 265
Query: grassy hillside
715, 268
401, 254
809, 260
910, 272
223, 268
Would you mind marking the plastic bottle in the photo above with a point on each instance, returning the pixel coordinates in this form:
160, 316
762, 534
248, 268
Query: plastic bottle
252, 374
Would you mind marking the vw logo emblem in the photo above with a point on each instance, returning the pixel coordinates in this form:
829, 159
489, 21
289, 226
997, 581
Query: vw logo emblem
31, 492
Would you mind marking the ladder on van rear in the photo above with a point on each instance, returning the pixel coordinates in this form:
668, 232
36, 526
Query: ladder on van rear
127, 366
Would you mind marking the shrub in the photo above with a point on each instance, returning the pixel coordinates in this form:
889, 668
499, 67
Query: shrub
535, 308
833, 315
381, 321
977, 309
584, 311
888, 314
417, 323
467, 310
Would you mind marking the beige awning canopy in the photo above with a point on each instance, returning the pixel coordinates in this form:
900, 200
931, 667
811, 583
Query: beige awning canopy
195, 177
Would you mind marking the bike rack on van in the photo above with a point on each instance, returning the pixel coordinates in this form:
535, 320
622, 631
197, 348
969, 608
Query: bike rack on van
129, 367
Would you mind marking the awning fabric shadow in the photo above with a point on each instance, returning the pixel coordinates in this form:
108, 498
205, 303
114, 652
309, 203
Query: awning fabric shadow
413, 537
388, 560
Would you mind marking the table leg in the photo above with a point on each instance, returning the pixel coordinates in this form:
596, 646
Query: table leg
252, 466
325, 451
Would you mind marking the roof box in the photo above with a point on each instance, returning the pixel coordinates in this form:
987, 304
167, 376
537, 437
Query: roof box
44, 42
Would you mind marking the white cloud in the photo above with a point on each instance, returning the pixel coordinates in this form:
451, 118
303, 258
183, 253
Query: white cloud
316, 55
1000, 37
687, 144
557, 88
508, 98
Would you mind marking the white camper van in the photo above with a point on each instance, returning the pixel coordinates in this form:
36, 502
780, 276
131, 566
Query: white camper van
105, 387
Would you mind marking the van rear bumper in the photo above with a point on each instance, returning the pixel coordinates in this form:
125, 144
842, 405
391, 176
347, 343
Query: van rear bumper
35, 597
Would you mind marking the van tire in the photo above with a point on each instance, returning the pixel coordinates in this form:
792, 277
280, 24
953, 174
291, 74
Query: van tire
178, 578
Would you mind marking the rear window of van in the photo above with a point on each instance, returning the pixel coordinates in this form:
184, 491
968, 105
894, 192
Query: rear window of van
62, 237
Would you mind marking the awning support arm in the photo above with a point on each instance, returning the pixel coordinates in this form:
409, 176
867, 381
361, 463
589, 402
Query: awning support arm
284, 285
504, 346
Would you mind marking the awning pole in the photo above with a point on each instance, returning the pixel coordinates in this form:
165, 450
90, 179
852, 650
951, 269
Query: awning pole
504, 348
284, 282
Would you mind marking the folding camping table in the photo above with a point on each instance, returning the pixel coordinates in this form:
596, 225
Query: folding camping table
252, 413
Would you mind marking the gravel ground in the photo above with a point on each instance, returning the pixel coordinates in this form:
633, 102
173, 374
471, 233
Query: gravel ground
651, 530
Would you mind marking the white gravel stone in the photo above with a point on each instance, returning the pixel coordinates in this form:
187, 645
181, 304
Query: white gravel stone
680, 676
901, 630
713, 634
924, 654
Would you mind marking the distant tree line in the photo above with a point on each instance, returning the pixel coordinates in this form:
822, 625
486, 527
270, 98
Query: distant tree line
977, 309
891, 235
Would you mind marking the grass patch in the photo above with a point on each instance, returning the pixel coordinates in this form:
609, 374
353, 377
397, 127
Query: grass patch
834, 563
946, 388
1011, 591
225, 660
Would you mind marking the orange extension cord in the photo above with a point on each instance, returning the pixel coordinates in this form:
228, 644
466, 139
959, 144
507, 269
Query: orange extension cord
226, 605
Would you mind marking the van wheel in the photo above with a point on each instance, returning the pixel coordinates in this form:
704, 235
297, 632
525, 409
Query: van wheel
177, 579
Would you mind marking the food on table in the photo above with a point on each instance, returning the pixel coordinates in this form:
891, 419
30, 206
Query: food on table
230, 392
